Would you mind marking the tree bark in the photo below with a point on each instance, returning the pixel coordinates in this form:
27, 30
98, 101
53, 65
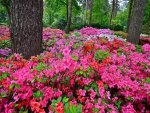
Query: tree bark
67, 10
112, 12
86, 9
83, 16
91, 11
67, 29
115, 8
129, 14
136, 20
26, 27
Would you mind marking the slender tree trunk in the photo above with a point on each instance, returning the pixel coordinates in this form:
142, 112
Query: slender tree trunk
91, 11
67, 10
112, 12
67, 29
83, 12
26, 27
86, 12
136, 20
115, 8
129, 14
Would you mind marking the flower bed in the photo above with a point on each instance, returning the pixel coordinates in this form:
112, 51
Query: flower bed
76, 75
87, 31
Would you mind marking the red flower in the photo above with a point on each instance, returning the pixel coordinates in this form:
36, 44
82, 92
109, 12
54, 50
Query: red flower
59, 107
100, 84
106, 61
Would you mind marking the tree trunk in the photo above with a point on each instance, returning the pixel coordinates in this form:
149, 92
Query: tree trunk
83, 12
91, 11
67, 29
135, 25
115, 8
112, 12
130, 10
66, 10
86, 9
26, 27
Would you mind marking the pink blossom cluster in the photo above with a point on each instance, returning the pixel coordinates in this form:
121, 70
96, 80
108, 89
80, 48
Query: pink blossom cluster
87, 31
52, 33
4, 30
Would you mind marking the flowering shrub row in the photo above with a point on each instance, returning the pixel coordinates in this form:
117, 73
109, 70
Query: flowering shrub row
93, 31
75, 75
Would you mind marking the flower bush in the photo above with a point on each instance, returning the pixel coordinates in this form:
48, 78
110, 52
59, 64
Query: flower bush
75, 75
93, 31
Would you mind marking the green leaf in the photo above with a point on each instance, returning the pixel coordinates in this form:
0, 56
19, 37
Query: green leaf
65, 100
100, 55
54, 101
66, 109
106, 86
75, 58
95, 110
118, 104
16, 105
129, 98
77, 72
38, 94
3, 95
81, 72
43, 80
72, 108
147, 80
41, 66
11, 86
17, 86
79, 108
25, 111
59, 99
5, 75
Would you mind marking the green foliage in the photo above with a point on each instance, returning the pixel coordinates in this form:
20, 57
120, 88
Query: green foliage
4, 76
95, 110
147, 80
68, 107
41, 66
38, 94
101, 11
75, 58
14, 86
3, 12
5, 44
117, 27
118, 104
73, 108
138, 48
3, 95
100, 55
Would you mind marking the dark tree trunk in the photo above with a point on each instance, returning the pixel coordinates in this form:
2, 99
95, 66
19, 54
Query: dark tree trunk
112, 12
67, 10
86, 9
135, 25
115, 8
130, 10
83, 16
26, 27
67, 29
91, 11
